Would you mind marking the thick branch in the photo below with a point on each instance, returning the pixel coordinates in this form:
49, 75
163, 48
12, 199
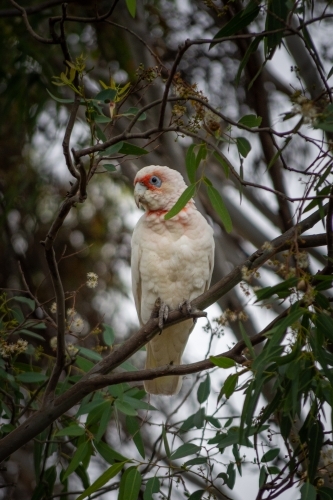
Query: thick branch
44, 417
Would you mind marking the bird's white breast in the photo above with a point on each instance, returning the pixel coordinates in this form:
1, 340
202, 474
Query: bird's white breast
175, 258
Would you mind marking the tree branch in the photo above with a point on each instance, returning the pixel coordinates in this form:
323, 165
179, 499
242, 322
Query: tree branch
50, 412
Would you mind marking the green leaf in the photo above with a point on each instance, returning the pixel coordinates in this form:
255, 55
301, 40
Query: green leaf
220, 208
100, 118
104, 421
58, 99
273, 470
31, 377
184, 450
108, 334
187, 424
247, 340
109, 167
236, 454
165, 441
131, 149
89, 353
72, 430
308, 492
106, 95
270, 455
315, 441
83, 363
213, 421
268, 291
190, 163
108, 453
115, 148
243, 146
203, 390
250, 50
222, 362
238, 22
82, 474
199, 418
31, 334
196, 461
231, 476
77, 458
229, 386
25, 300
133, 427
103, 479
130, 484
125, 408
180, 204
325, 493
262, 476
153, 486
250, 121
196, 495
276, 16
222, 160
131, 5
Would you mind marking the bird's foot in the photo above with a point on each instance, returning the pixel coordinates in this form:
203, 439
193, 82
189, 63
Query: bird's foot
160, 311
185, 307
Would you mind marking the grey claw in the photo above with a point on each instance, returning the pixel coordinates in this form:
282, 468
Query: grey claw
162, 315
185, 307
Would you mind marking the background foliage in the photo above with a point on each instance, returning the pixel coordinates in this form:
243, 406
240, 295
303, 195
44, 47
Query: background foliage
237, 97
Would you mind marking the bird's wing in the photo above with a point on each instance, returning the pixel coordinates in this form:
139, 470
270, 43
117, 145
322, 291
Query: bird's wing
135, 267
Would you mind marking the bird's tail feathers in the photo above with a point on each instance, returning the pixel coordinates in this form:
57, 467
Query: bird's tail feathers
167, 386
167, 348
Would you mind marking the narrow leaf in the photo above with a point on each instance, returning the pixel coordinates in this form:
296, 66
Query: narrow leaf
308, 492
131, 5
106, 95
103, 479
77, 458
204, 390
31, 377
115, 148
222, 362
125, 408
72, 430
108, 333
219, 206
238, 22
109, 167
270, 455
153, 486
190, 163
130, 484
59, 99
184, 450
165, 441
196, 495
25, 300
133, 427
180, 204
131, 149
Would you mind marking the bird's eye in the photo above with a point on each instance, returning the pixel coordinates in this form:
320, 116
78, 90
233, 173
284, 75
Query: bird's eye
155, 181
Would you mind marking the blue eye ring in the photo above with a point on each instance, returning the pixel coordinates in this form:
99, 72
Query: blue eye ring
155, 181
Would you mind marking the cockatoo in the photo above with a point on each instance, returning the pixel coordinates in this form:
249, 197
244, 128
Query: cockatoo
171, 260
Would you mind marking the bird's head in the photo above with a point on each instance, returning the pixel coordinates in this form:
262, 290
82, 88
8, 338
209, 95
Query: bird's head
158, 188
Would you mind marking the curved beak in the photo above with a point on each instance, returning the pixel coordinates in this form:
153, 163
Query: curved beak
139, 192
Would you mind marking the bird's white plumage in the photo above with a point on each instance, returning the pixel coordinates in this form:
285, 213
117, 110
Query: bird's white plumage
171, 259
